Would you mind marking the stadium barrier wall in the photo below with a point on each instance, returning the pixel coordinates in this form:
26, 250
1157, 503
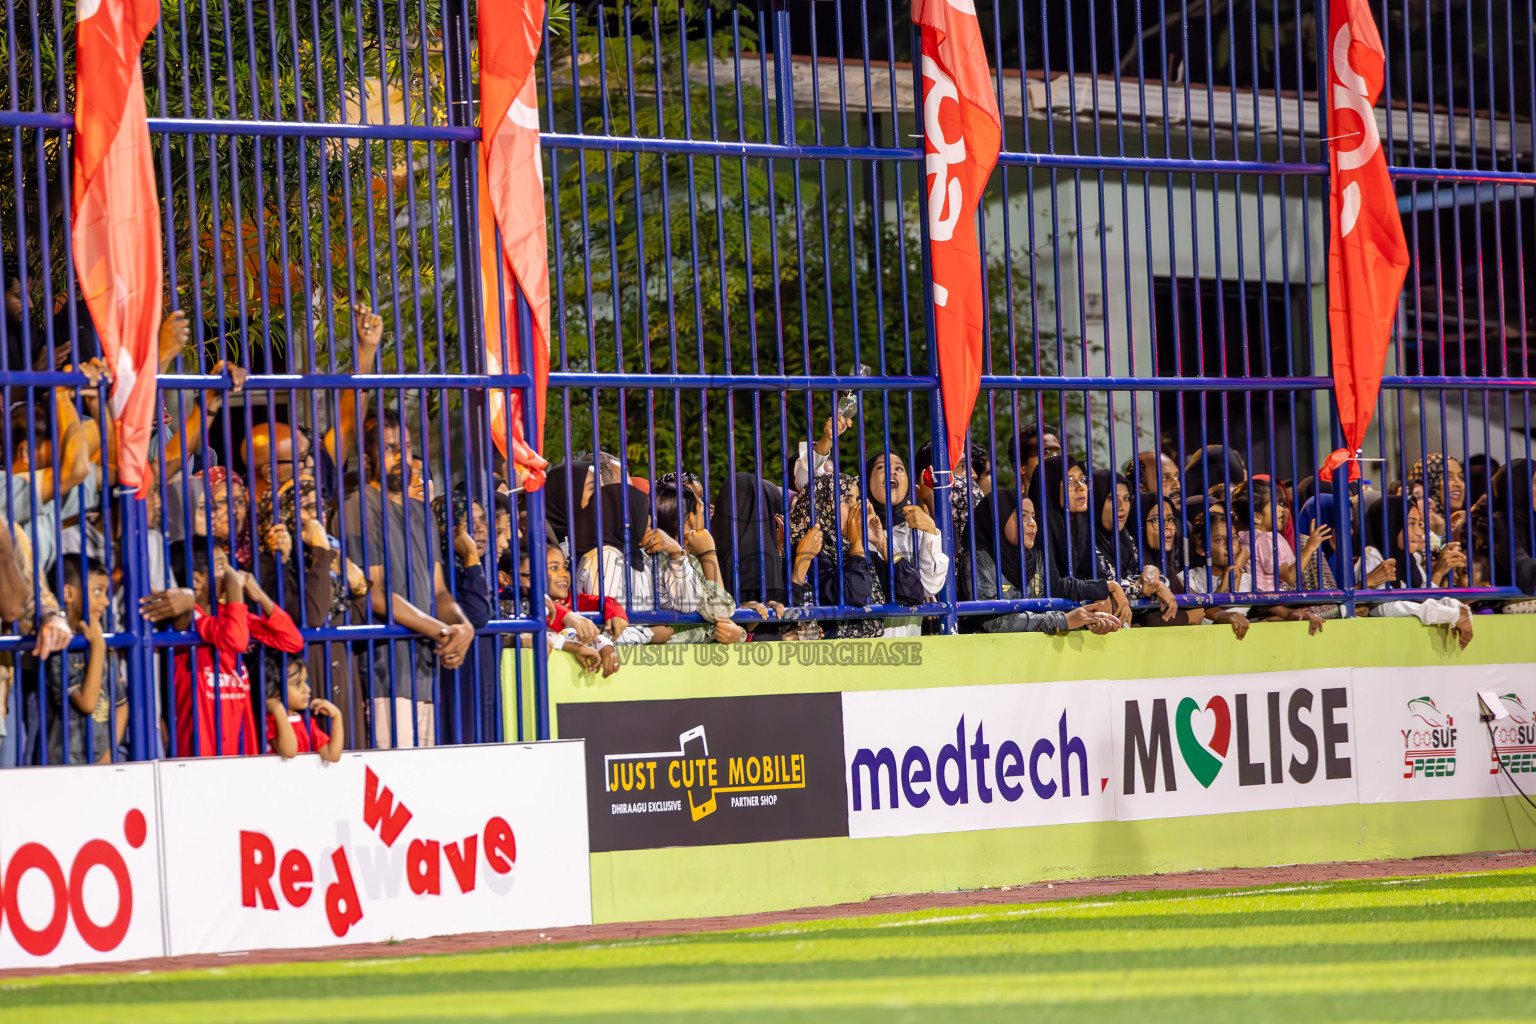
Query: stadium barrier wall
759, 783
754, 781
223, 854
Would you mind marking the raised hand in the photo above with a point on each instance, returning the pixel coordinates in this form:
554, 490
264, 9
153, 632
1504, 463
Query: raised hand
918, 519
1450, 558
699, 542
1314, 540
660, 541
174, 332
824, 445
877, 535
370, 331
321, 706
464, 545
167, 604
1383, 574
315, 535
806, 552
279, 541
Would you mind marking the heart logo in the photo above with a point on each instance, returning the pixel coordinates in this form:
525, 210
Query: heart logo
1203, 764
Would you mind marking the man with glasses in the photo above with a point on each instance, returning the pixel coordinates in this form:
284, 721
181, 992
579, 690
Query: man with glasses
1026, 451
279, 453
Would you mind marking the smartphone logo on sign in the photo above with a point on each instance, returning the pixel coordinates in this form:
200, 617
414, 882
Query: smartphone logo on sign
692, 771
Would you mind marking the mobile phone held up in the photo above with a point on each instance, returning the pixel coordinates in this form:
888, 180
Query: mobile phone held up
850, 400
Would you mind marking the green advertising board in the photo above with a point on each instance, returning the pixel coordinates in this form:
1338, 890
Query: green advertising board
689, 710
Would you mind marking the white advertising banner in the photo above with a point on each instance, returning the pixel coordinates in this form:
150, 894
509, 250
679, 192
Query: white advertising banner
1216, 744
1421, 737
266, 853
79, 865
977, 757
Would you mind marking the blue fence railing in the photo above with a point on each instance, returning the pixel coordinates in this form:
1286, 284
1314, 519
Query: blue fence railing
740, 304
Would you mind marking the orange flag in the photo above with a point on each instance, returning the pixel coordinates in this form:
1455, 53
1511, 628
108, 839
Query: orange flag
116, 214
963, 136
512, 190
1367, 254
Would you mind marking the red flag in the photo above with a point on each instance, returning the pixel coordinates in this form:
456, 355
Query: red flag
1367, 254
963, 137
512, 187
116, 214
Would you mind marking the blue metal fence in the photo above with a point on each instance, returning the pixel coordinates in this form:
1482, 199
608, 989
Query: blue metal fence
738, 218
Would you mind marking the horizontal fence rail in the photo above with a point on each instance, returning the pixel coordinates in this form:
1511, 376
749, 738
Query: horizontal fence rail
742, 355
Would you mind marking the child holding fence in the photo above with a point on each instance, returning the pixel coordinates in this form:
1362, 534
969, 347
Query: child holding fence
217, 718
289, 731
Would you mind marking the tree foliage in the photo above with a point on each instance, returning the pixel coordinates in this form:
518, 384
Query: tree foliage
272, 240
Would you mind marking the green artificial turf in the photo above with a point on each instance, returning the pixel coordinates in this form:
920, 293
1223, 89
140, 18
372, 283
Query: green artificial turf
1447, 948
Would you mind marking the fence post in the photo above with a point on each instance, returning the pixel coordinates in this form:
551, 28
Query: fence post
142, 724
942, 508
534, 542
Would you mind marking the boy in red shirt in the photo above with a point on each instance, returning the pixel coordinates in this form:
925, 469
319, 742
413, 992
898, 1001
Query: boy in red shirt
288, 733
220, 719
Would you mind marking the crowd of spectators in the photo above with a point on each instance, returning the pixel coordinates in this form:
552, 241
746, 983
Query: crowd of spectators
318, 562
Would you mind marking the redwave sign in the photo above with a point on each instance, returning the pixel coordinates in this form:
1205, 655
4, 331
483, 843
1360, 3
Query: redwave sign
266, 853
79, 865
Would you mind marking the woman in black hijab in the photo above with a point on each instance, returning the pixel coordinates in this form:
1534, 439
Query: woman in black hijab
642, 568
910, 531
1112, 513
1059, 491
1060, 487
563, 489
747, 541
1480, 472
617, 502
1162, 540
1511, 510
1001, 531
1384, 532
1120, 552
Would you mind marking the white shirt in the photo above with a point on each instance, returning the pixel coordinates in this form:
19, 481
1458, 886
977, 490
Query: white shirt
681, 587
823, 464
1437, 611
1198, 581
